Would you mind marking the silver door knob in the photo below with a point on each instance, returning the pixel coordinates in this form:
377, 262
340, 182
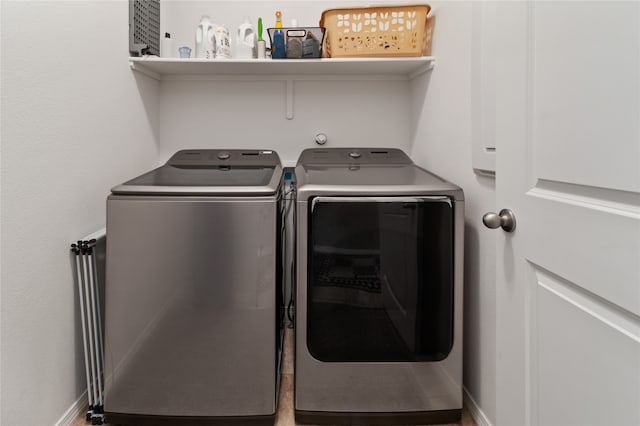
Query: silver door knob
505, 219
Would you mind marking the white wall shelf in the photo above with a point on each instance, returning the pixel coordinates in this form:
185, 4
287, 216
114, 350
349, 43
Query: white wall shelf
285, 69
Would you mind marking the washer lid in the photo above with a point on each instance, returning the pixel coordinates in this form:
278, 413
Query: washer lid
210, 172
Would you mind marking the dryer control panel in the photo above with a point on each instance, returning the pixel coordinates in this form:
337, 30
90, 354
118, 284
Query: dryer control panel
337, 156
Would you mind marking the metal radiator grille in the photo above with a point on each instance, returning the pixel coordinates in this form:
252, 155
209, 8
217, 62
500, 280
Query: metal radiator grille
144, 27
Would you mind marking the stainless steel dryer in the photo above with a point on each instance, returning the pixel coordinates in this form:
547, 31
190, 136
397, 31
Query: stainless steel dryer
194, 310
379, 290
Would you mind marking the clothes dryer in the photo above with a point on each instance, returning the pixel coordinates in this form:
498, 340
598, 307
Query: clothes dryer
194, 289
378, 333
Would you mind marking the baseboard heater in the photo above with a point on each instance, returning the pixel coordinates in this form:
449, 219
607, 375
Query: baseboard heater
89, 299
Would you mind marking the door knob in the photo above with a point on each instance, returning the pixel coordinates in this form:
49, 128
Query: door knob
505, 219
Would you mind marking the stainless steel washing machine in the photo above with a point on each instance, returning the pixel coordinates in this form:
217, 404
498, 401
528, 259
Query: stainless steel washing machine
379, 290
194, 291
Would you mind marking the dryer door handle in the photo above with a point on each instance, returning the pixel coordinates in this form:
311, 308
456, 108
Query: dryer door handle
365, 199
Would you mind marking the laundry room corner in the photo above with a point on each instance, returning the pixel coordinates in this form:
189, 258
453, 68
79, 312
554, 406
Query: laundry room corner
443, 132
73, 124
77, 120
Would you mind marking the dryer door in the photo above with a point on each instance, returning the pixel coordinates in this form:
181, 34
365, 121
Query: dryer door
380, 279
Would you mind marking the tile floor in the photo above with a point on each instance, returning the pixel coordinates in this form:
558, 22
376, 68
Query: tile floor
284, 416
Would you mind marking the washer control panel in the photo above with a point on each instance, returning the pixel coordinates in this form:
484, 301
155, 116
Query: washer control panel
224, 157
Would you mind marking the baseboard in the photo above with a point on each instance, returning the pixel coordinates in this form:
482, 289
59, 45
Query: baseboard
81, 405
475, 411
77, 408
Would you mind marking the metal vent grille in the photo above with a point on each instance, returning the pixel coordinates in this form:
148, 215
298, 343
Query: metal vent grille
144, 27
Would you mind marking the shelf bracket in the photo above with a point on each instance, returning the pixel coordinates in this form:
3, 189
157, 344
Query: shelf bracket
421, 70
144, 70
289, 99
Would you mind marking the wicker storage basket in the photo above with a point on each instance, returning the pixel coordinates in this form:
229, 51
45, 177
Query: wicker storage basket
377, 31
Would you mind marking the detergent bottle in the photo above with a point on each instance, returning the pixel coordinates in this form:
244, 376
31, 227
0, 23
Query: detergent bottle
222, 42
205, 39
246, 41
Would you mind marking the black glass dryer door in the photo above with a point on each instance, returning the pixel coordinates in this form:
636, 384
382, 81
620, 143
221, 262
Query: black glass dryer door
380, 279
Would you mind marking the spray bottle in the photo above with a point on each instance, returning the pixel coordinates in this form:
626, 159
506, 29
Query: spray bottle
278, 48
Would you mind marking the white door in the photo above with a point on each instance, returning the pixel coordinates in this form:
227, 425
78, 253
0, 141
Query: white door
568, 166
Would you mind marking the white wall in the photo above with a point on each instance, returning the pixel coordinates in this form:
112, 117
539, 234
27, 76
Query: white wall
443, 119
74, 124
248, 114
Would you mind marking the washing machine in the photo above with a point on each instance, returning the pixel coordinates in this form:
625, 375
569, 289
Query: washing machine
194, 291
378, 336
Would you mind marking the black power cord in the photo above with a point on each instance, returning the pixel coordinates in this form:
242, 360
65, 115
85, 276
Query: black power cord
291, 201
